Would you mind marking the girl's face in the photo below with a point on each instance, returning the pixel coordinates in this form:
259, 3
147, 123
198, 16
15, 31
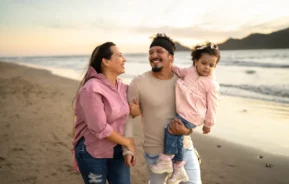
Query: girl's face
206, 64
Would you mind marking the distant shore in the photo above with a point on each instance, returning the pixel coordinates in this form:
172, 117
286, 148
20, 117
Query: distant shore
35, 135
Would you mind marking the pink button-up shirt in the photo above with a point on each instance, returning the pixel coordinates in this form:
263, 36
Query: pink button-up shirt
100, 109
197, 97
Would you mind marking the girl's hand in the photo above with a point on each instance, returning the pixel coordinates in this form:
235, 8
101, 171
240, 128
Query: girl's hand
134, 108
206, 130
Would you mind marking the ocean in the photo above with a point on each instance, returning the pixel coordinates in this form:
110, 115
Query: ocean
257, 74
248, 74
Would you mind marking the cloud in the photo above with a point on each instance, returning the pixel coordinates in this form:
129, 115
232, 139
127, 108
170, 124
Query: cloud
206, 31
61, 26
98, 23
270, 26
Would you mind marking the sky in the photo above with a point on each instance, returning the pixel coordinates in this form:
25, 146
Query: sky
74, 27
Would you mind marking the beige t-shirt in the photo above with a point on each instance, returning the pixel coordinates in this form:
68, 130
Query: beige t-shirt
157, 103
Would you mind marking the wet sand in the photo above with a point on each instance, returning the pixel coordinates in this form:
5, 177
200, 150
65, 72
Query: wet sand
35, 136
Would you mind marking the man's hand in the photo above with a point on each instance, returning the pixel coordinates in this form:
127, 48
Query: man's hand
206, 130
130, 160
176, 127
134, 108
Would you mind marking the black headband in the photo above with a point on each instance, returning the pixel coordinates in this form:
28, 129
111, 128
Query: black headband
165, 44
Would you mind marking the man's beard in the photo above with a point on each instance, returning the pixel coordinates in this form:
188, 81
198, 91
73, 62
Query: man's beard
157, 69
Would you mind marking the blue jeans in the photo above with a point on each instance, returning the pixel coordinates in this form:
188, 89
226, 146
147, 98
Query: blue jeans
174, 143
192, 168
98, 170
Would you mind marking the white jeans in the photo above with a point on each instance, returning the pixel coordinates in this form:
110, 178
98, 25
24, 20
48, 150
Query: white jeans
192, 167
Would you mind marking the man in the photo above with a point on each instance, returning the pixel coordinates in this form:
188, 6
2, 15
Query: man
155, 91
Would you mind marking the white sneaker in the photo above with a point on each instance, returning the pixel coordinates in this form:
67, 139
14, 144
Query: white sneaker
162, 166
179, 175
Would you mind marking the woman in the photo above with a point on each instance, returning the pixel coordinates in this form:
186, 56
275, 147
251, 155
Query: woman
101, 111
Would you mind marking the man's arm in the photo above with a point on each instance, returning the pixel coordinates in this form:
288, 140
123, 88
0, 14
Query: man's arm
132, 94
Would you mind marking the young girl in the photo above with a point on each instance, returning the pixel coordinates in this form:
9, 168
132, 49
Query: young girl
197, 97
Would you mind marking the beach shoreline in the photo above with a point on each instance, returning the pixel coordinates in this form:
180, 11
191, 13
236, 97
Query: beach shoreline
35, 132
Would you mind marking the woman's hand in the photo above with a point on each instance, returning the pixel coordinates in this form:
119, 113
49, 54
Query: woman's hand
176, 127
134, 108
130, 145
130, 160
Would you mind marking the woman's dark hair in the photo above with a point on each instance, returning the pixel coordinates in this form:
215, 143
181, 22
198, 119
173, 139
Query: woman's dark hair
100, 52
208, 48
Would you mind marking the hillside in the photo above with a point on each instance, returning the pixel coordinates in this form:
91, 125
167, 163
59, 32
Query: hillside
275, 40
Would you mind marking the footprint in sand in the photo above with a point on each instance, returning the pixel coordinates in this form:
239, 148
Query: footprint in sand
2, 159
18, 149
19, 179
268, 165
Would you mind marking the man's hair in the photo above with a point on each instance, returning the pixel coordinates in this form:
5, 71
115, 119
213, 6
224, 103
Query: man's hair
166, 39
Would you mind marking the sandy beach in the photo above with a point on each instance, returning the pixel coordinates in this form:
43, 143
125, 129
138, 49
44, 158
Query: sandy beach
37, 118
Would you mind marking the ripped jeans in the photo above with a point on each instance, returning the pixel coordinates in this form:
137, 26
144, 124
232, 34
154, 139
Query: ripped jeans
98, 170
